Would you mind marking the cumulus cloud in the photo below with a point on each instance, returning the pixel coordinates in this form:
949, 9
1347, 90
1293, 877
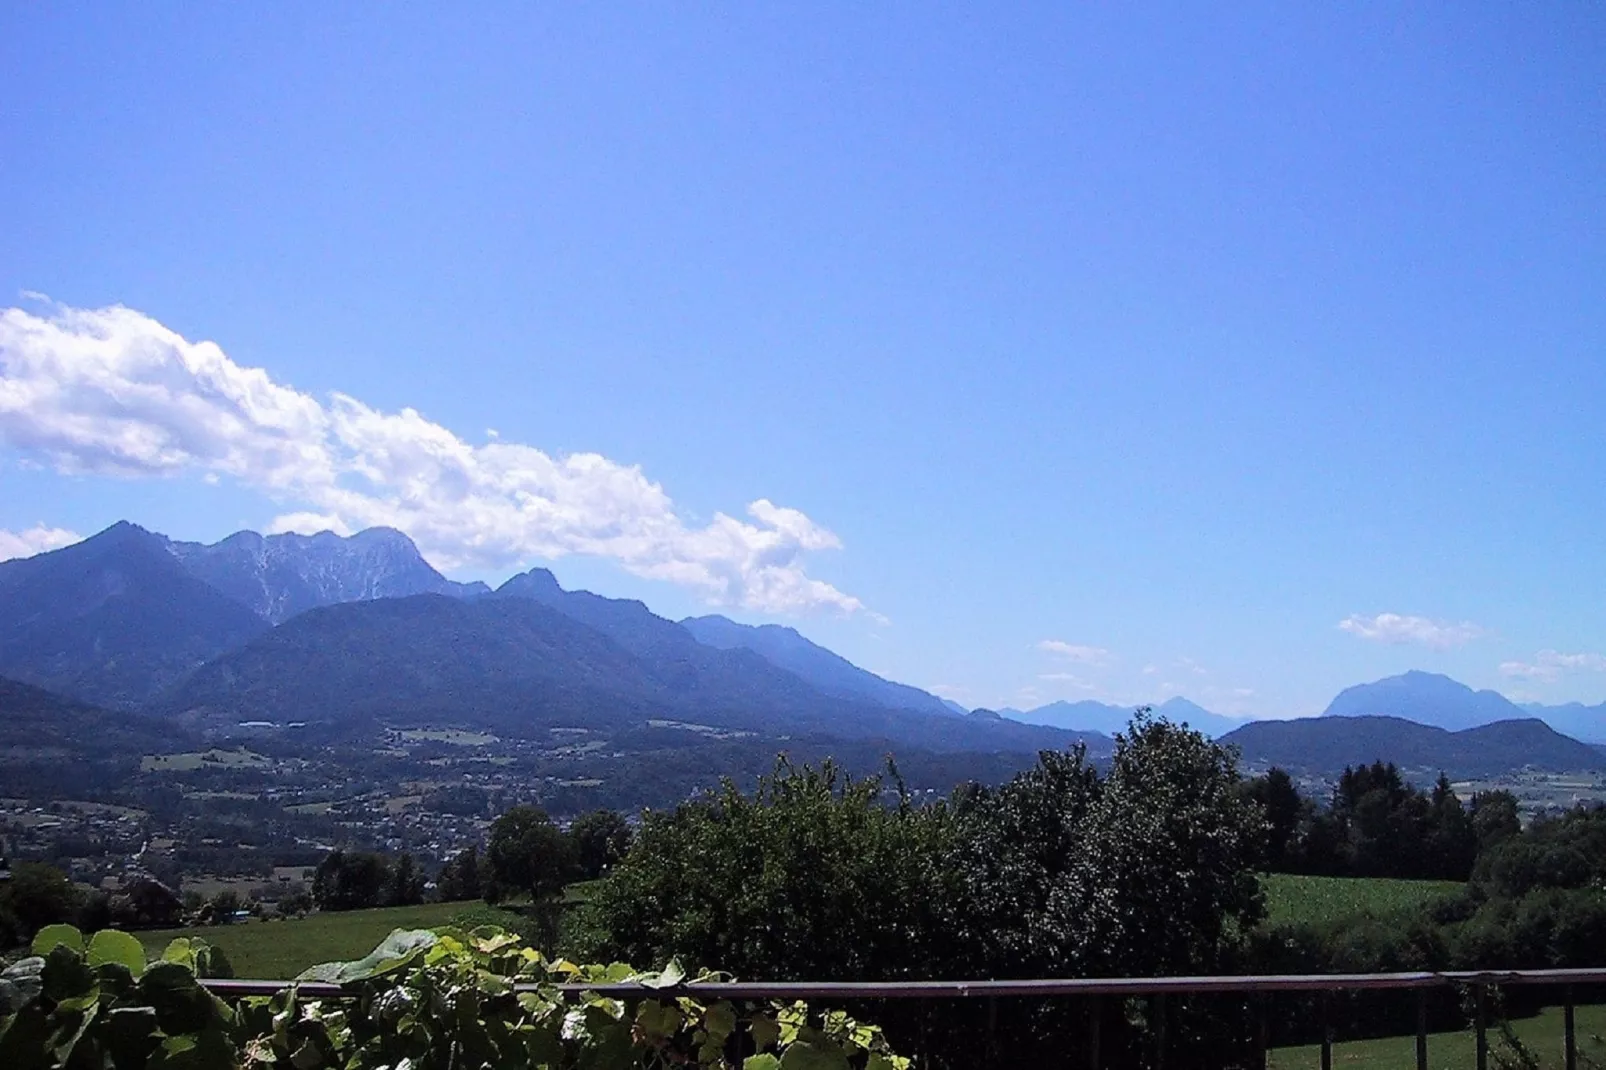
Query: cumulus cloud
1069, 681
112, 391
1549, 665
36, 540
1397, 628
1082, 655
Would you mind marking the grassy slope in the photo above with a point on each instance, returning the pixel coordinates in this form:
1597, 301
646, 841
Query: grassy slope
282, 949
1457, 1051
1322, 900
278, 950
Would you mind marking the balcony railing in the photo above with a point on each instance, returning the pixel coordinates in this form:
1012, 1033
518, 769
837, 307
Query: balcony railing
1158, 989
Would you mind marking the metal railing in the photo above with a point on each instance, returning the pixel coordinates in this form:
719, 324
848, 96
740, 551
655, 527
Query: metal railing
1092, 988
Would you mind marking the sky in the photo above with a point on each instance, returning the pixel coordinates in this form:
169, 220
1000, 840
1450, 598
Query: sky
1058, 352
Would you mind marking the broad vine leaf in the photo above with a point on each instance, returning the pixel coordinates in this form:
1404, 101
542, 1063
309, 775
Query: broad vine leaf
809, 1055
110, 946
52, 936
670, 976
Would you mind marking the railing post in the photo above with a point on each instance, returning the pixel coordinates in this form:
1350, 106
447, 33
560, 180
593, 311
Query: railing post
1095, 1016
993, 1055
1483, 1027
1262, 1031
1327, 1030
1570, 1033
1421, 1029
1159, 1031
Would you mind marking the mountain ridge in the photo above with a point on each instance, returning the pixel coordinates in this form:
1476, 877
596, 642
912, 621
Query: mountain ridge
824, 668
1328, 744
1108, 718
278, 576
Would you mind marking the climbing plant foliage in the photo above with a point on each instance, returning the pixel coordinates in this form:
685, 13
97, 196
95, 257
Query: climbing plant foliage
422, 1000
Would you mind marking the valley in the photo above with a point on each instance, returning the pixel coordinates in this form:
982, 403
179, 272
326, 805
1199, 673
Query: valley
225, 715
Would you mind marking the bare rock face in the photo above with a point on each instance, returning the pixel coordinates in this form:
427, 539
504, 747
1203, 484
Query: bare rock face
279, 576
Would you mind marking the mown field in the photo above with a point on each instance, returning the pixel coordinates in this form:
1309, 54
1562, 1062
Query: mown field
1541, 1035
1324, 900
282, 949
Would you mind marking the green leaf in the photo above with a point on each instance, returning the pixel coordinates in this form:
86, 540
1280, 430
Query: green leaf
671, 976
181, 1004
110, 946
398, 949
765, 1061
181, 951
130, 1035
58, 936
765, 1032
66, 979
808, 1055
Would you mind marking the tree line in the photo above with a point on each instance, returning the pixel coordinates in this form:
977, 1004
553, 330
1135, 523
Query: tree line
1375, 824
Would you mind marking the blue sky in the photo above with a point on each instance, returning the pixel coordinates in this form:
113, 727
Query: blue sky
1106, 352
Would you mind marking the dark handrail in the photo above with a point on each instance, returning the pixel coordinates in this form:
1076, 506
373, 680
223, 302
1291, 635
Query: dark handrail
1050, 986
1089, 987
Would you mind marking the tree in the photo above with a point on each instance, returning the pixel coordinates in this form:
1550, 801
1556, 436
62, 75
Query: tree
224, 905
36, 895
406, 885
350, 880
1495, 818
1148, 870
460, 877
1452, 840
528, 854
811, 876
1279, 799
601, 838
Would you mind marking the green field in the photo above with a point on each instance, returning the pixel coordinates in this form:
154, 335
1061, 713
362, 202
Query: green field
189, 762
1458, 1051
279, 950
1324, 900
454, 736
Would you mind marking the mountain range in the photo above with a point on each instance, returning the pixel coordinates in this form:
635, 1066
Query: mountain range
1110, 718
1431, 699
1325, 745
342, 634
347, 633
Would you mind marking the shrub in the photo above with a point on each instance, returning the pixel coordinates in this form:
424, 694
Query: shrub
426, 1000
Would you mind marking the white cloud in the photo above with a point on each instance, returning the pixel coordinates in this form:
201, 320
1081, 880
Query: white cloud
1069, 681
36, 540
111, 391
1395, 628
1082, 655
1548, 665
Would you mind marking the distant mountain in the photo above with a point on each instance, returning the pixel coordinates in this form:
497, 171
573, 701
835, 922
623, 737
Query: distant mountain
826, 670
112, 620
955, 707
278, 576
1573, 718
52, 744
1325, 745
533, 657
1426, 698
1109, 719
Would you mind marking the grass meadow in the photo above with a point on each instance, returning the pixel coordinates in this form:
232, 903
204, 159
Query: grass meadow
1325, 900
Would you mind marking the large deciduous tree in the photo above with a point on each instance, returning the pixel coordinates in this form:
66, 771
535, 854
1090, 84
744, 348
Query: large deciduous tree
528, 855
